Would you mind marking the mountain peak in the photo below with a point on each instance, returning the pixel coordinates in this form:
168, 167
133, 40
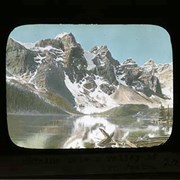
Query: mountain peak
68, 39
129, 62
150, 62
65, 35
61, 35
150, 66
97, 49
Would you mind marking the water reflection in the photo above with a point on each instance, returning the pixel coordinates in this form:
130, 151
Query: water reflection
86, 132
31, 131
45, 131
90, 131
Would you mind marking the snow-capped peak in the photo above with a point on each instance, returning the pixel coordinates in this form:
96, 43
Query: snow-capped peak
61, 35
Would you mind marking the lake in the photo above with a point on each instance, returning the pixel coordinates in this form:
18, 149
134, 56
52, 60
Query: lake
66, 131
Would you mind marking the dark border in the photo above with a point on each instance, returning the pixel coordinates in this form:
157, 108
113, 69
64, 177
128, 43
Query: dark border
127, 163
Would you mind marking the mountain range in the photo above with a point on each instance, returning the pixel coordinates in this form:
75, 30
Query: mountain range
58, 76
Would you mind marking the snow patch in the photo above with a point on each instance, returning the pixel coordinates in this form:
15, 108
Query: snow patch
38, 59
88, 101
61, 35
59, 59
28, 45
48, 48
10, 78
89, 57
32, 77
119, 79
168, 92
58, 53
73, 87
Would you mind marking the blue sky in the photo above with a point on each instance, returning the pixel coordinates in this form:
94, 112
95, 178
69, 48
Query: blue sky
139, 42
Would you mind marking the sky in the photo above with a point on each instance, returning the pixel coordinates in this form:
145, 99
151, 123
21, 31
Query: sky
139, 42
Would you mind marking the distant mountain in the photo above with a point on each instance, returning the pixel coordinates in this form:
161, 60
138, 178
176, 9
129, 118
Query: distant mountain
61, 73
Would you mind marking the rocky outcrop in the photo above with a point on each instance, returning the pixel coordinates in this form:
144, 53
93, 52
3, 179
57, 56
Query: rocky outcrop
90, 84
19, 60
142, 79
74, 61
107, 88
165, 76
104, 54
150, 66
151, 85
56, 43
105, 64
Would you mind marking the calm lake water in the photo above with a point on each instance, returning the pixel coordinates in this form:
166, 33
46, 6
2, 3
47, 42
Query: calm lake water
61, 131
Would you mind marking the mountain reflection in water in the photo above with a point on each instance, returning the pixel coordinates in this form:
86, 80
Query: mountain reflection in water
61, 131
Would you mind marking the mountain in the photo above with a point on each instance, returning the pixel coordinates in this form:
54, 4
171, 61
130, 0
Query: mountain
61, 75
105, 64
165, 75
139, 78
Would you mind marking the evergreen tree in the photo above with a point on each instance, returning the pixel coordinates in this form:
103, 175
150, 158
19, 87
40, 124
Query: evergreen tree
168, 113
162, 114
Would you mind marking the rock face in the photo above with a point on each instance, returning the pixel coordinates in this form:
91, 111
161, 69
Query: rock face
90, 84
74, 61
104, 64
142, 79
165, 75
56, 43
108, 89
19, 60
71, 56
151, 85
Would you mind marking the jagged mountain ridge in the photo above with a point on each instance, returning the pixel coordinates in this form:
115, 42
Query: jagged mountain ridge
87, 80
